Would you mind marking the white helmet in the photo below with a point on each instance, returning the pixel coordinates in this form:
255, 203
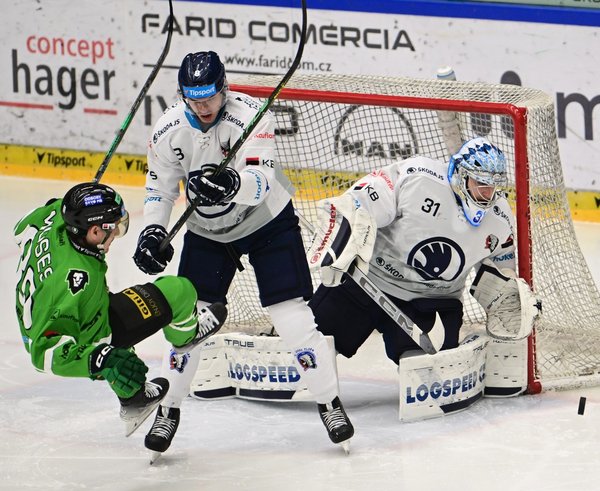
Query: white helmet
485, 163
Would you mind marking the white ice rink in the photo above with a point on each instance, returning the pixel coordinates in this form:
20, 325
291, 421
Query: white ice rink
58, 433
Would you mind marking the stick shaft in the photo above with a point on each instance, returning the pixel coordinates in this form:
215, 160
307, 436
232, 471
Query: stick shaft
136, 104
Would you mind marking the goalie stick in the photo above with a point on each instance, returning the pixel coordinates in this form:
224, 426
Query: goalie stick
137, 102
244, 136
430, 342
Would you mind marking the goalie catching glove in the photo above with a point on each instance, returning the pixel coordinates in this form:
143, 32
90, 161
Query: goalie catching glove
509, 303
345, 236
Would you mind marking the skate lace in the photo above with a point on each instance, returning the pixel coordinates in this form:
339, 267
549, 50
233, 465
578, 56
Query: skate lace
334, 419
206, 324
163, 427
152, 390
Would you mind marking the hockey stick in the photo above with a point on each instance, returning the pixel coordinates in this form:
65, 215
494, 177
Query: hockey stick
137, 102
448, 121
244, 136
430, 342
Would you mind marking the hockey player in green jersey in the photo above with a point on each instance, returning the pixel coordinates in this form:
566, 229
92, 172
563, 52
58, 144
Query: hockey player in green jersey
72, 325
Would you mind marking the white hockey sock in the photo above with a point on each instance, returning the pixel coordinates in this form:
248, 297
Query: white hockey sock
315, 359
179, 370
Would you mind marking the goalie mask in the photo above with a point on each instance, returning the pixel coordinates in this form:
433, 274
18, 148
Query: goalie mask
88, 204
477, 173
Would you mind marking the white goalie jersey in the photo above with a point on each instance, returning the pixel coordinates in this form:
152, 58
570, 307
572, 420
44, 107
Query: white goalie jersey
424, 245
178, 148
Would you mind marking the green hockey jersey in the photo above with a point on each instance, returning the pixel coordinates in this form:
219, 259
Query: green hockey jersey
61, 297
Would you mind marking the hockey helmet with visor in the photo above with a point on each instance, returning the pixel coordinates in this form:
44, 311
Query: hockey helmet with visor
88, 204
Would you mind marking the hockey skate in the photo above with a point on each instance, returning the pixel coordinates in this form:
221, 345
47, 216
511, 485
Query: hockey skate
136, 409
336, 422
210, 320
160, 436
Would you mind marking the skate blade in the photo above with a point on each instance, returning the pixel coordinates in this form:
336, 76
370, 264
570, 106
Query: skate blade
154, 456
345, 446
132, 425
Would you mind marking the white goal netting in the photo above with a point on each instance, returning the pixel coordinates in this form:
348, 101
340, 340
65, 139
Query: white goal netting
332, 130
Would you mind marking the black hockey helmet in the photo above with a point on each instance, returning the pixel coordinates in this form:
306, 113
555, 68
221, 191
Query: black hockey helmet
90, 203
201, 75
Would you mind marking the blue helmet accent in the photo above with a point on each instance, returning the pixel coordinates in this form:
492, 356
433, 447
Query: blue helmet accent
201, 75
483, 162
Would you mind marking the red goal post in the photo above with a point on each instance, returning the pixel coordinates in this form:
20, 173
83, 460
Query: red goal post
332, 129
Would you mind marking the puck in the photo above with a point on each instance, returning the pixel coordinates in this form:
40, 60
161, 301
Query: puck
581, 407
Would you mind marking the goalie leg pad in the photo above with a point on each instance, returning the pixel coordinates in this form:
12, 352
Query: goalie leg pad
444, 383
506, 368
248, 367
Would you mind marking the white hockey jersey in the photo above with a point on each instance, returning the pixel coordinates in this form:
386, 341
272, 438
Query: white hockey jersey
424, 246
178, 148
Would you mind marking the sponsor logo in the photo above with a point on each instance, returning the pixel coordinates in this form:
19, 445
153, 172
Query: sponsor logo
504, 257
263, 373
330, 226
265, 135
164, 129
437, 258
199, 92
232, 119
385, 177
386, 140
388, 268
138, 301
445, 388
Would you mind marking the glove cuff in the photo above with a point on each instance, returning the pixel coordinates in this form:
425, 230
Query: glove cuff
98, 358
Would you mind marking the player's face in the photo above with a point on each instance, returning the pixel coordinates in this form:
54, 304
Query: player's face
207, 109
481, 192
103, 236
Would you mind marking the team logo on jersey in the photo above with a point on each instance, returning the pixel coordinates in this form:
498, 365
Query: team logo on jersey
491, 242
306, 358
437, 258
411, 170
77, 280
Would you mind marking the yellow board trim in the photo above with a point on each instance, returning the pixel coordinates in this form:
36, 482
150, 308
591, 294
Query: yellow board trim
130, 170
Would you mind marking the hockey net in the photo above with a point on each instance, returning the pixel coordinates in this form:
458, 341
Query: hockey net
332, 130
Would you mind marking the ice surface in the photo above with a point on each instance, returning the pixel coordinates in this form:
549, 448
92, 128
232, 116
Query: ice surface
58, 433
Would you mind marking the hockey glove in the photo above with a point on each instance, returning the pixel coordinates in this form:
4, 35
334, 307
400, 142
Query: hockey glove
147, 255
213, 189
121, 368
